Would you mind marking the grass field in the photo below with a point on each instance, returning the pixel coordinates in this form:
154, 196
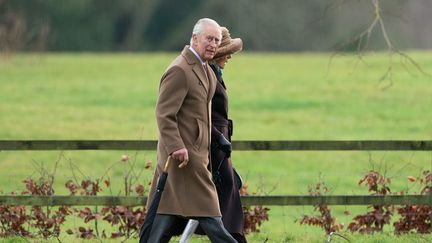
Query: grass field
272, 96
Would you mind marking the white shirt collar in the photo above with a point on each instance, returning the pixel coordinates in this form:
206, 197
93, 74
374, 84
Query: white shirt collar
196, 54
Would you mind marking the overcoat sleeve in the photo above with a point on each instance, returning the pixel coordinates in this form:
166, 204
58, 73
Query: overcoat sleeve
172, 91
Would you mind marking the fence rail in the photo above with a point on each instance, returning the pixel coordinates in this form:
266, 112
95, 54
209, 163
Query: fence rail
318, 145
246, 200
286, 145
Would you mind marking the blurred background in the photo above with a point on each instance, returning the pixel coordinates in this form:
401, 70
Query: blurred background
90, 69
163, 25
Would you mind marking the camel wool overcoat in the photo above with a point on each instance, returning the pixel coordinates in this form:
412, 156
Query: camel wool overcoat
183, 113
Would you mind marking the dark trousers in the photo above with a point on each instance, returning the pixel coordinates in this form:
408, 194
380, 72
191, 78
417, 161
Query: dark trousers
212, 226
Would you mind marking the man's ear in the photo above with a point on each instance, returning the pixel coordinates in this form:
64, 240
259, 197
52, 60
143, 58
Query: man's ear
194, 38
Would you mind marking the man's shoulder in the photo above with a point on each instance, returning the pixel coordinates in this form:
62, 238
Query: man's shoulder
178, 66
181, 62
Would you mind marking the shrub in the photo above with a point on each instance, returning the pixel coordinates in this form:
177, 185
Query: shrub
416, 218
380, 215
325, 220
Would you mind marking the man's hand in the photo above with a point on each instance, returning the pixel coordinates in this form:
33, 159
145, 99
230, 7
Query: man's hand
224, 145
182, 156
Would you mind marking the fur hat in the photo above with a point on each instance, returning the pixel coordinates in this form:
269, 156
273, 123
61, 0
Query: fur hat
228, 45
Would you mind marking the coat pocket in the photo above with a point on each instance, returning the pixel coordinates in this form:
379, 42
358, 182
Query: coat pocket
199, 140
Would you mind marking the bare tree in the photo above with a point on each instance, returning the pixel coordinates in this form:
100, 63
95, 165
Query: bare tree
12, 33
362, 41
140, 16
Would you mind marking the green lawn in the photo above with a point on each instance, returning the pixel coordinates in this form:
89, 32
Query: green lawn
272, 96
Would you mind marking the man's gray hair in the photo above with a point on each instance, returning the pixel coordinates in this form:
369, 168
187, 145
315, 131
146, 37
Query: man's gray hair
199, 26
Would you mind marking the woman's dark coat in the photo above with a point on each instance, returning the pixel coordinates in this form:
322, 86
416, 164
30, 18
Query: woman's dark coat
228, 193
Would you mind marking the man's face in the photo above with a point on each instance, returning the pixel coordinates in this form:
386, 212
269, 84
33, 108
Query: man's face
207, 42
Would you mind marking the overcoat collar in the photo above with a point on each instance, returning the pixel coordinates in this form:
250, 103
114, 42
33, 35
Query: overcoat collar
197, 68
